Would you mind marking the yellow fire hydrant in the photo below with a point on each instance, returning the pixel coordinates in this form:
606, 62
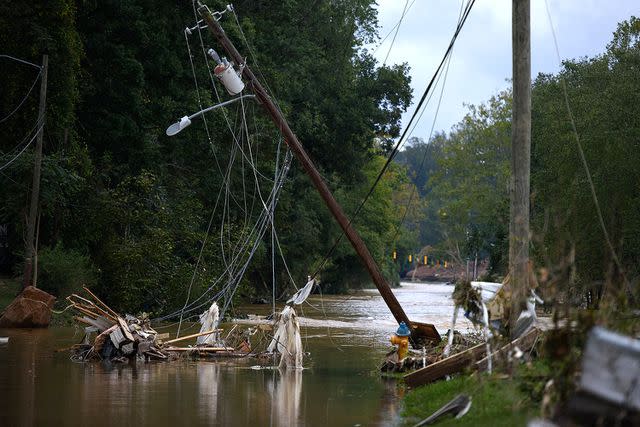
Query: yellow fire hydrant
401, 339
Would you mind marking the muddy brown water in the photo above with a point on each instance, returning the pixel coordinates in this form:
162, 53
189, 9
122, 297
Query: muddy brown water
346, 338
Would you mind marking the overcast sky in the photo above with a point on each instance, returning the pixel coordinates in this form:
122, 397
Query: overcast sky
481, 60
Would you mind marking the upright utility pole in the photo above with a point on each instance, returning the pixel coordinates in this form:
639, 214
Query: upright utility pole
520, 157
35, 186
419, 330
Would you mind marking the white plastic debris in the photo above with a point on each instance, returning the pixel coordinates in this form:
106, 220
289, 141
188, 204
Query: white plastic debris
287, 340
209, 321
302, 294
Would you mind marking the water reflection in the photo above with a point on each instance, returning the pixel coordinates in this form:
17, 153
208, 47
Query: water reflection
341, 386
286, 388
208, 377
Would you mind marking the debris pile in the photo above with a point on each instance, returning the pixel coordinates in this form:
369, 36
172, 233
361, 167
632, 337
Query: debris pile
111, 336
429, 354
118, 338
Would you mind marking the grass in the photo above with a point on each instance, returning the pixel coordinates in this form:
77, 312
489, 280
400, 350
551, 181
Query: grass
496, 401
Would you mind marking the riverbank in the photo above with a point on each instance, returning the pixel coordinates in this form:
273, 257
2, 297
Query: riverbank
440, 273
496, 400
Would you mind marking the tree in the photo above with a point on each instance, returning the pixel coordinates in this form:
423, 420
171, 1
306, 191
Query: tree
603, 93
471, 183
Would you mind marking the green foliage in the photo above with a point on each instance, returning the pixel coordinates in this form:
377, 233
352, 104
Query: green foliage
603, 94
463, 180
377, 224
421, 160
62, 272
137, 203
9, 289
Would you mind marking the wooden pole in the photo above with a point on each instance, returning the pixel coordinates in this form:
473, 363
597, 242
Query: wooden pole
186, 337
520, 157
296, 147
35, 186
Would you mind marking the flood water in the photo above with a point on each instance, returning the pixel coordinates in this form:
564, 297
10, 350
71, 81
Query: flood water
346, 337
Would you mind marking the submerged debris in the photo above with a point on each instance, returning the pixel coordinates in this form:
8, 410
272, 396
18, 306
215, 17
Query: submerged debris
111, 336
118, 338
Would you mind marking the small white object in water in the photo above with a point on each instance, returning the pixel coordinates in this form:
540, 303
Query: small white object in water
4, 340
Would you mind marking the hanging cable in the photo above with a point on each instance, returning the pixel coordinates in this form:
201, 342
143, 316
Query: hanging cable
404, 12
393, 28
394, 152
13, 159
433, 124
24, 98
583, 158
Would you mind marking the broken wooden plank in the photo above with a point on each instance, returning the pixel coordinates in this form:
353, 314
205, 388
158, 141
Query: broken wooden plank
444, 367
86, 311
125, 329
426, 331
524, 343
192, 336
155, 354
203, 349
106, 307
117, 337
99, 323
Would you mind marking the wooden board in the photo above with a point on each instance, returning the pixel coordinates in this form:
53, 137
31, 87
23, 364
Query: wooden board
125, 329
118, 338
444, 367
425, 331
204, 349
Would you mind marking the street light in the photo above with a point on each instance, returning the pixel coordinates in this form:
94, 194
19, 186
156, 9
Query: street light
186, 120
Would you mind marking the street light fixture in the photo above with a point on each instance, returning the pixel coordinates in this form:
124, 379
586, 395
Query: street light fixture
186, 120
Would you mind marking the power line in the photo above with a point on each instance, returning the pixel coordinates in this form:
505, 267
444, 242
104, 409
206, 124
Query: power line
583, 158
433, 125
404, 12
393, 28
39, 67
23, 99
416, 114
6, 165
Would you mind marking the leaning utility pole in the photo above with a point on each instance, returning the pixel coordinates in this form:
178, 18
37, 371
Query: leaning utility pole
424, 331
520, 157
35, 186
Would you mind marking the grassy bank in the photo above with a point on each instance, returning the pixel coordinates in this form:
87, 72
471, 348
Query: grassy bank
497, 400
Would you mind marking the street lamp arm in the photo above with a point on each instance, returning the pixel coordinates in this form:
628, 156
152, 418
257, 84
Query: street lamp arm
223, 104
186, 120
